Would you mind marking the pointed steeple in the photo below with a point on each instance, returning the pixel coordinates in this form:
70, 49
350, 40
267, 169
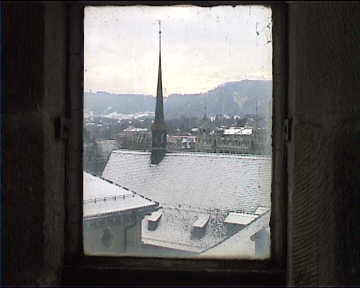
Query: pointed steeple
158, 129
159, 111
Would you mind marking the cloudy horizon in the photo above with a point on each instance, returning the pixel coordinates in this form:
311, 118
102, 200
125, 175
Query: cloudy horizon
202, 48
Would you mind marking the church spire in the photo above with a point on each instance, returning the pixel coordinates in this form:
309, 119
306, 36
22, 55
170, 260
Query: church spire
159, 111
158, 129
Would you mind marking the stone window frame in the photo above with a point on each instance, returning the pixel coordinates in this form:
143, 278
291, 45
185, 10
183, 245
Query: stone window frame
80, 268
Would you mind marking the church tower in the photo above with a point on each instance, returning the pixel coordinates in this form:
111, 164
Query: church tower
158, 129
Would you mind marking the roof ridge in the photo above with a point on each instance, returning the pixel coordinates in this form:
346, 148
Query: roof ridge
197, 154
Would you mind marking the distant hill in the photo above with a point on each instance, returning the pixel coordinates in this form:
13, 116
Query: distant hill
231, 98
103, 103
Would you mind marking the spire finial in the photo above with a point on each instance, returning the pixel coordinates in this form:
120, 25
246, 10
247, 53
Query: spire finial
159, 36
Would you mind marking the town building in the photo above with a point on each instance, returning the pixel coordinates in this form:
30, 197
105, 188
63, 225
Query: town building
236, 140
112, 217
181, 142
135, 138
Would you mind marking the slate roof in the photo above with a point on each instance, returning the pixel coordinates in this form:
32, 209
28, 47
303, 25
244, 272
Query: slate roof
199, 180
175, 230
189, 186
102, 197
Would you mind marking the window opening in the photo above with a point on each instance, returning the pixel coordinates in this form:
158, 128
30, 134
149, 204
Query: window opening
177, 131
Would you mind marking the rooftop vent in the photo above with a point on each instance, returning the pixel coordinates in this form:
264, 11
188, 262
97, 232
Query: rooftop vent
199, 226
240, 218
236, 221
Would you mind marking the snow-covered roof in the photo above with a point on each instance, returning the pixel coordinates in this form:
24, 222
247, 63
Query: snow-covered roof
176, 225
190, 186
133, 129
238, 131
235, 246
200, 180
174, 230
102, 197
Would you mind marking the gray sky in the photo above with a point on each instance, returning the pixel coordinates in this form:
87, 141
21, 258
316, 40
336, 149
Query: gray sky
201, 47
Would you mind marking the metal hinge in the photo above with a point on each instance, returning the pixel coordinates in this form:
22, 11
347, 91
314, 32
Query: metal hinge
62, 128
287, 129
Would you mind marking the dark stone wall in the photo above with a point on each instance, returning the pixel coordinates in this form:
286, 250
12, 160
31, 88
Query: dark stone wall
324, 74
53, 106
324, 65
35, 66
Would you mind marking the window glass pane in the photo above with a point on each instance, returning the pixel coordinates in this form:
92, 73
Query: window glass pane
177, 131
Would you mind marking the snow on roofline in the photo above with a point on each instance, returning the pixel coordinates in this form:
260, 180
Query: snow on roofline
96, 187
238, 131
102, 197
144, 210
198, 154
